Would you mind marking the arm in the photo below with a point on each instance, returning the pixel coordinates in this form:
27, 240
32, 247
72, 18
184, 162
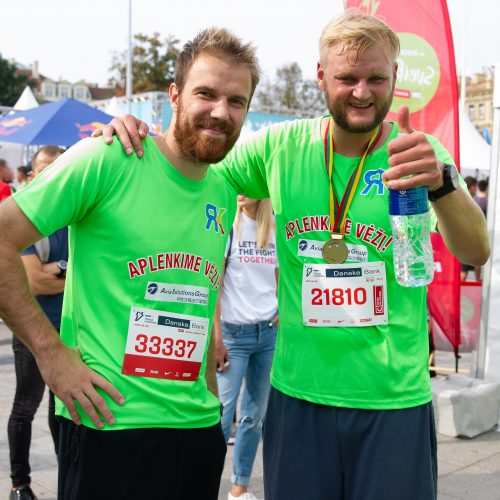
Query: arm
460, 220
210, 371
61, 367
221, 356
276, 319
43, 279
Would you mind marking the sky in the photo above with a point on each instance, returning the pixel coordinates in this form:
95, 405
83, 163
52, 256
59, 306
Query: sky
76, 40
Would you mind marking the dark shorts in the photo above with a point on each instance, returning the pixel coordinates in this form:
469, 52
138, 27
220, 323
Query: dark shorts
164, 464
466, 268
318, 452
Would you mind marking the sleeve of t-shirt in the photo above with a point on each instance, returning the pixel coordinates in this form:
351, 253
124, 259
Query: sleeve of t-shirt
67, 191
5, 191
29, 251
245, 166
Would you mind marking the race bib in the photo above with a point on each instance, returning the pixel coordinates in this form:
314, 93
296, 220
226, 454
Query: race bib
344, 294
164, 345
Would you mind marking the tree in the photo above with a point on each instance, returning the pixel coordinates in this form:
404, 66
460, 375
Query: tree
11, 83
289, 93
153, 63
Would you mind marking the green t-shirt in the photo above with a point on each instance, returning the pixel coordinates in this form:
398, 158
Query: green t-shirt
140, 235
370, 367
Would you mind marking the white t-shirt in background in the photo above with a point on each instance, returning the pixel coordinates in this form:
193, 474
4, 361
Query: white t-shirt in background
249, 291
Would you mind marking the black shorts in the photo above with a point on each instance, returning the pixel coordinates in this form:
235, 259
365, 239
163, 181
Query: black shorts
135, 464
318, 452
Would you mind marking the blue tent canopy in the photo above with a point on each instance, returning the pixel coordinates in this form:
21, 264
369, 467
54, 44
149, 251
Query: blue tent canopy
61, 123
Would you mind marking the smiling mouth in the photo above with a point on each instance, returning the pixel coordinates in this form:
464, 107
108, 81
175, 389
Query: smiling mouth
360, 106
213, 131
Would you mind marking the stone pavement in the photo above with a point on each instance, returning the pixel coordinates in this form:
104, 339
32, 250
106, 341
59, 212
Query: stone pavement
469, 469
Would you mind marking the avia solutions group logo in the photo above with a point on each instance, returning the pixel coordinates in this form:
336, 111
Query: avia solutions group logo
214, 218
303, 245
152, 288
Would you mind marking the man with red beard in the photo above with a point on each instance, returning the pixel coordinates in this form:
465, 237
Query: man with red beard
147, 239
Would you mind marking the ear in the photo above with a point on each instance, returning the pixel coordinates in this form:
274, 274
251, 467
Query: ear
395, 71
320, 76
173, 92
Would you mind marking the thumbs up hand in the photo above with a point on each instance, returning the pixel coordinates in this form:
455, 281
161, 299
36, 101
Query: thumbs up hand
412, 159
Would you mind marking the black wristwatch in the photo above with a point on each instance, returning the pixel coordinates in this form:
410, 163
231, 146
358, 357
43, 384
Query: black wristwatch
62, 265
450, 183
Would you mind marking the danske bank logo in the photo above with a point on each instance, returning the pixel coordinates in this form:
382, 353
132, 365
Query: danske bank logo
175, 322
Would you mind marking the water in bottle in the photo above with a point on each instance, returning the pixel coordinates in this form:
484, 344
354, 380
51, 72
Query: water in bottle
412, 249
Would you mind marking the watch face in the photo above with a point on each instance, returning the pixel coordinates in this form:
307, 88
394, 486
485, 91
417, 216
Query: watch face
63, 265
454, 176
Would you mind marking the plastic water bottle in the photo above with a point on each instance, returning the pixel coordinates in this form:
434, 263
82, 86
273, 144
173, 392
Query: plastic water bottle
412, 249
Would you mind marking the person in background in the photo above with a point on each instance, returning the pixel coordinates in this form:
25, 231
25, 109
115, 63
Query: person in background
471, 185
22, 176
482, 195
6, 178
245, 326
482, 200
45, 264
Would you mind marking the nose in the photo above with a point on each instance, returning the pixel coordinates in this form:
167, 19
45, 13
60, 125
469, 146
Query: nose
361, 90
220, 110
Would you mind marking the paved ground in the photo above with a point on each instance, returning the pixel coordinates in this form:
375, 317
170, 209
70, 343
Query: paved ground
469, 469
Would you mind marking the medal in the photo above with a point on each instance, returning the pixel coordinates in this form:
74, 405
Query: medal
335, 250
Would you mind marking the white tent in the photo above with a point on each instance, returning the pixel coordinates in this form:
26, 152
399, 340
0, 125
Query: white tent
475, 152
26, 100
114, 108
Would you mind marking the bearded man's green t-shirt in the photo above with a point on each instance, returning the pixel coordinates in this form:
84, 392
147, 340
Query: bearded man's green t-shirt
146, 246
349, 335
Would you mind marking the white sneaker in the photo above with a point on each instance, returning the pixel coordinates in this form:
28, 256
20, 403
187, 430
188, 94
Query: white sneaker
245, 496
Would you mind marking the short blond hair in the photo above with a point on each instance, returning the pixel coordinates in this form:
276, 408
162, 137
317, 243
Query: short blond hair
354, 32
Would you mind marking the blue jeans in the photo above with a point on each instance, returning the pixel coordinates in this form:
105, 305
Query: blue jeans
250, 350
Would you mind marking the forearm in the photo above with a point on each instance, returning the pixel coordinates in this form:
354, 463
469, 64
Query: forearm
210, 371
19, 308
463, 227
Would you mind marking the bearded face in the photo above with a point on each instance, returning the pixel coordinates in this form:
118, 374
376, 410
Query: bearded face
358, 91
203, 139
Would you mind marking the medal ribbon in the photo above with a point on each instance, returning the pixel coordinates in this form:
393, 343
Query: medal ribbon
337, 222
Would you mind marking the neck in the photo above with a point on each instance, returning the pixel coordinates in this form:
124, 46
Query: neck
351, 144
170, 148
250, 212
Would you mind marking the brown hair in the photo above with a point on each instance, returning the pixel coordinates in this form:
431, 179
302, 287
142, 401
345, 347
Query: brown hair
355, 32
50, 151
218, 41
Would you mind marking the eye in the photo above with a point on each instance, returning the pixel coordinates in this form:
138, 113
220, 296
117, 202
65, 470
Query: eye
347, 79
240, 103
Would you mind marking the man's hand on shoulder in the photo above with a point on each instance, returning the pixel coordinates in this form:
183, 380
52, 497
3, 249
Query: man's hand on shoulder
71, 380
130, 131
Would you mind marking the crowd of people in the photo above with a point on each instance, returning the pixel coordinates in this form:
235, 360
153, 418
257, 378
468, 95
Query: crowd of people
136, 370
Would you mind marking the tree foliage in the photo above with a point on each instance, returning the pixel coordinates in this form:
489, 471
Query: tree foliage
11, 84
290, 93
153, 63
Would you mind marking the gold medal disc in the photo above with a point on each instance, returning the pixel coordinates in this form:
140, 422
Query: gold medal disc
335, 250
